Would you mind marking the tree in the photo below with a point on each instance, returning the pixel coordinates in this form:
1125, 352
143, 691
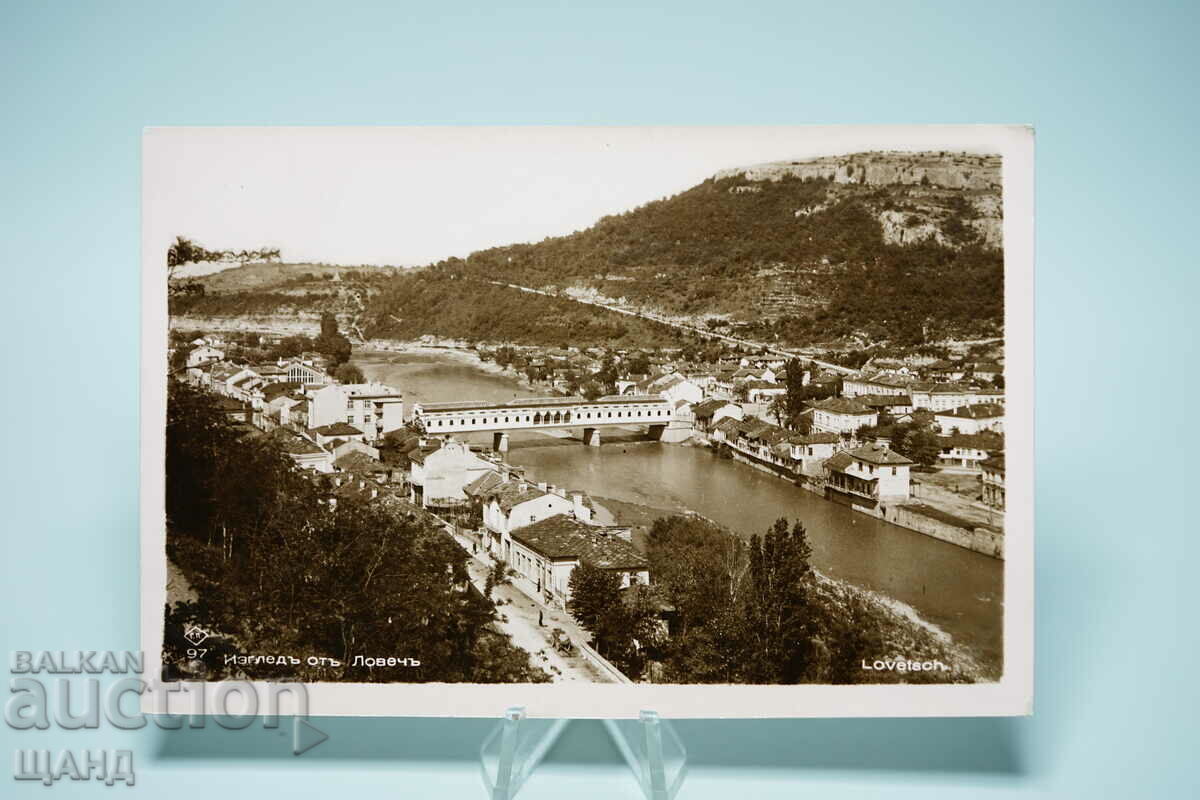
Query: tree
349, 373
922, 446
778, 635
332, 343
638, 363
779, 409
794, 380
279, 570
595, 594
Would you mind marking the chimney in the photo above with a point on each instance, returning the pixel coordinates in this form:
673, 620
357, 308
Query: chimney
582, 512
541, 486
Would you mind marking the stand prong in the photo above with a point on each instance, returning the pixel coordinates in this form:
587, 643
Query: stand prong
504, 789
513, 749
653, 751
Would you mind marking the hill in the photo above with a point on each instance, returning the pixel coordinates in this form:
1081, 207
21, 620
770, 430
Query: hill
886, 246
868, 248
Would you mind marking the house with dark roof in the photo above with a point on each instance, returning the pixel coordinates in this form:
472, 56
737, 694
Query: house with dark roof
325, 434
306, 453
968, 450
867, 476
708, 413
894, 404
971, 419
841, 415
516, 503
546, 552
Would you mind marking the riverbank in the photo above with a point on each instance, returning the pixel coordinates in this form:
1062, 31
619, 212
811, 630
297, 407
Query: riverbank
899, 630
954, 589
927, 518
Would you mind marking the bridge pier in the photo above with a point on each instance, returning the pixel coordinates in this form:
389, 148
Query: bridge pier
591, 437
500, 442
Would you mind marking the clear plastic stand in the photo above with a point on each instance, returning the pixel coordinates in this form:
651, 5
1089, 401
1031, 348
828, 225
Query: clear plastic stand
649, 745
513, 749
653, 751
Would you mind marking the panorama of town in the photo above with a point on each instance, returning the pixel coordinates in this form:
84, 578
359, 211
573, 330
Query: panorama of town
575, 587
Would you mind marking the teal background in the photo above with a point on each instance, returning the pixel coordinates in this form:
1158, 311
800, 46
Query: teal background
1111, 89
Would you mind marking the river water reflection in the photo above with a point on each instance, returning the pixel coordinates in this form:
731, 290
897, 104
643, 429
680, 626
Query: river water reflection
959, 591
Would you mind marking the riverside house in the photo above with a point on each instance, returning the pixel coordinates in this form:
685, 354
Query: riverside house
867, 476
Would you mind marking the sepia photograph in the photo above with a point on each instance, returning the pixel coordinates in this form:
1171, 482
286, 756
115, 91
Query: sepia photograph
717, 421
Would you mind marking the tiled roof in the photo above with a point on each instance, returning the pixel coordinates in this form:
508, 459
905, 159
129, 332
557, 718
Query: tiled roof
709, 407
337, 429
294, 443
815, 438
884, 399
483, 484
564, 537
512, 493
358, 461
841, 405
879, 455
977, 411
273, 390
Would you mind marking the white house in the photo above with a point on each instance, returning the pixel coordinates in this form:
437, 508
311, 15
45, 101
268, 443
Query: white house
204, 354
708, 413
545, 553
841, 415
516, 503
868, 475
971, 419
374, 408
439, 478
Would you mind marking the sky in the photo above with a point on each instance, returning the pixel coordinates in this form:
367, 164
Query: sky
413, 196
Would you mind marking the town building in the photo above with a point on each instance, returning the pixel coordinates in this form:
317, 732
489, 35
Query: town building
709, 412
841, 415
868, 475
324, 434
517, 502
439, 477
894, 404
304, 452
670, 386
306, 370
991, 481
971, 419
763, 391
204, 354
810, 451
546, 553
374, 408
967, 451
880, 383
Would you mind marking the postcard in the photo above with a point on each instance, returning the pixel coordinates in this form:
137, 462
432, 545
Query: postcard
715, 422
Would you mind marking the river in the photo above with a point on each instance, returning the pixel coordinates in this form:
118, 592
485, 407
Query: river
959, 591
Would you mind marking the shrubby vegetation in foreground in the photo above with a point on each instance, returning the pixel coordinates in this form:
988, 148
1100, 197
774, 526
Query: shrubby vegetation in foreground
753, 612
277, 572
